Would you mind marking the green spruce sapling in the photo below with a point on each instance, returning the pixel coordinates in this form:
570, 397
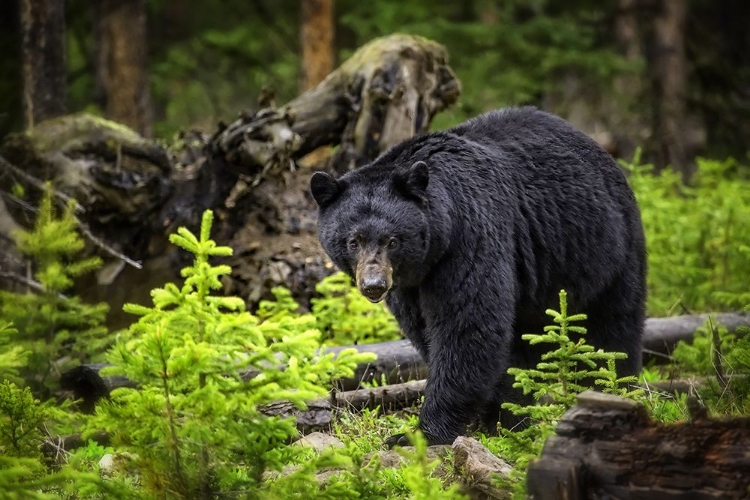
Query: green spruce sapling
565, 370
12, 357
54, 329
194, 427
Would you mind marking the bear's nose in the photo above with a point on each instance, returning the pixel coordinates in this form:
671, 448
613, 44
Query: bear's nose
373, 288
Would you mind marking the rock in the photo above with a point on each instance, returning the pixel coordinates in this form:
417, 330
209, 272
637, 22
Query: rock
391, 459
319, 441
480, 469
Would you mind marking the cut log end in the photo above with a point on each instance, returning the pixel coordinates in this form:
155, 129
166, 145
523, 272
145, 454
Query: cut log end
626, 455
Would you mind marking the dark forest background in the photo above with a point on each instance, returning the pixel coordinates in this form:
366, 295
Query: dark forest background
672, 76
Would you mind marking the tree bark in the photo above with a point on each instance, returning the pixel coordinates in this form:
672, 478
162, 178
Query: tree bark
671, 75
43, 53
317, 35
627, 110
606, 447
135, 193
121, 62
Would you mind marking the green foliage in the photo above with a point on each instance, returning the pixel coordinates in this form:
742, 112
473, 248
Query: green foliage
12, 357
557, 378
52, 325
418, 473
697, 236
368, 430
345, 317
22, 479
194, 424
22, 418
698, 357
666, 408
505, 53
23, 423
563, 370
725, 358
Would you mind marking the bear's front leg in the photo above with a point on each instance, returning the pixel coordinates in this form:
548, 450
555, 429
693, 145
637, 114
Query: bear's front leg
465, 367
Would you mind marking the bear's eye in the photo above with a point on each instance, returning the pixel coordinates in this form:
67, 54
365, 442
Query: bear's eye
392, 243
353, 244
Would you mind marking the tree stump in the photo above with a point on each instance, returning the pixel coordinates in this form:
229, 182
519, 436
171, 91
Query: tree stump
607, 447
134, 192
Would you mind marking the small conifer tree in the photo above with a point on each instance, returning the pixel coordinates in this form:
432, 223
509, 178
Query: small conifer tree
11, 357
51, 326
193, 427
565, 370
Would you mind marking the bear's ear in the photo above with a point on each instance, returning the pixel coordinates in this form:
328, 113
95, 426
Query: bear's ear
325, 189
412, 181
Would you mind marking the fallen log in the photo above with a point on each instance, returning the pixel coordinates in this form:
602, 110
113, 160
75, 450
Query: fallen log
607, 447
386, 92
399, 362
395, 363
318, 416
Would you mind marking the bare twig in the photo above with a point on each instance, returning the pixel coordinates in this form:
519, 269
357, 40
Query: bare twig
716, 354
100, 243
38, 183
18, 201
62, 197
32, 284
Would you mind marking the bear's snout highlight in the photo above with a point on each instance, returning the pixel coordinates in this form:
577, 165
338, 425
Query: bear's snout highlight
374, 276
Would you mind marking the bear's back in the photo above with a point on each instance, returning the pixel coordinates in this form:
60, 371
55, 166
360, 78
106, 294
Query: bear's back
532, 133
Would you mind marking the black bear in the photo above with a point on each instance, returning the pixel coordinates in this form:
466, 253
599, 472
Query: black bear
470, 233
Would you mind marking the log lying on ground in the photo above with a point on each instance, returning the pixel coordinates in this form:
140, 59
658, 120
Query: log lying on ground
319, 414
606, 447
399, 362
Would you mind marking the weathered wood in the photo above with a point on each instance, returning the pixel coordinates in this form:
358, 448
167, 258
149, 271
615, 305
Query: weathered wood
607, 447
135, 193
479, 470
388, 398
399, 362
386, 92
319, 414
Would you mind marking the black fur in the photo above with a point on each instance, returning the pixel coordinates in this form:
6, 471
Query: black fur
513, 206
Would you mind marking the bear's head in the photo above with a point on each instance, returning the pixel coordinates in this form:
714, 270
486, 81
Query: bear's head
373, 223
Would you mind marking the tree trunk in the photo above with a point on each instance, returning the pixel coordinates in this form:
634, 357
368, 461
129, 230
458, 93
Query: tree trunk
671, 75
626, 29
628, 127
43, 52
606, 447
121, 71
317, 41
